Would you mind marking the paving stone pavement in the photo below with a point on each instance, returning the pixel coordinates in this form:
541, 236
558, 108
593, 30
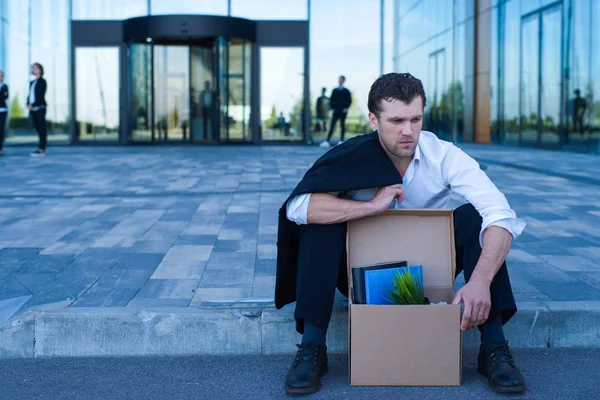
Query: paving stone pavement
190, 226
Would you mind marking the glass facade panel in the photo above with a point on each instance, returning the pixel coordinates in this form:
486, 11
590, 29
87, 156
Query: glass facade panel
282, 93
235, 61
18, 74
550, 89
173, 7
3, 33
97, 93
50, 47
140, 81
270, 9
579, 92
433, 51
494, 92
204, 99
529, 120
107, 9
510, 71
338, 47
593, 106
171, 93
37, 31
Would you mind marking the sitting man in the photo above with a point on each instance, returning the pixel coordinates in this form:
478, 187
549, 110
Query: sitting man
397, 166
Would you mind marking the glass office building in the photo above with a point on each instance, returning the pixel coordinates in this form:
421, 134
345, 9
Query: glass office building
513, 72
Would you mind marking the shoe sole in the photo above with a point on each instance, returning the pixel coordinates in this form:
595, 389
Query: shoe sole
300, 391
503, 389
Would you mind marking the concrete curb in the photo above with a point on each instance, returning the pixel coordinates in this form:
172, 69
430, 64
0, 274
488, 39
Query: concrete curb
74, 332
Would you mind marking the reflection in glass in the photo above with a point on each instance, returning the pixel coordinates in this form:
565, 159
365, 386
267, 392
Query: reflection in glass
494, 92
510, 71
529, 80
551, 80
579, 93
107, 9
171, 94
140, 80
235, 102
97, 93
172, 7
440, 98
204, 98
282, 93
593, 118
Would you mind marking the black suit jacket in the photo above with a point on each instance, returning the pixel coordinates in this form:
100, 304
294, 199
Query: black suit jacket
340, 99
3, 96
359, 163
40, 93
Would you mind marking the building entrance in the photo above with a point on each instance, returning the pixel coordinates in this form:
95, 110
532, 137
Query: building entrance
196, 92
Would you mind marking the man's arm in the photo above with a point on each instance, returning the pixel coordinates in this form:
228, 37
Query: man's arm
500, 226
324, 208
476, 293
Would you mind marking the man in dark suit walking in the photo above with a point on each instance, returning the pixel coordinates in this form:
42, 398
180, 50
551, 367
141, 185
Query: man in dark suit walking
340, 103
36, 103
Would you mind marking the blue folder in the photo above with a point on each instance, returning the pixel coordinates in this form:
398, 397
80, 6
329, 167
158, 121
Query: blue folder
379, 281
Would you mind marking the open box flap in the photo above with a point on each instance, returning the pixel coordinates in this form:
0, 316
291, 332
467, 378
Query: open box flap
421, 237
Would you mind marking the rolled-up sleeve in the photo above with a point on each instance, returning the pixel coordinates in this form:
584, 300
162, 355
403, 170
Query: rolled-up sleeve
464, 176
297, 209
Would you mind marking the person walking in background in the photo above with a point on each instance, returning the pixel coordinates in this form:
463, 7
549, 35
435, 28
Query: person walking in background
340, 103
322, 112
3, 109
36, 103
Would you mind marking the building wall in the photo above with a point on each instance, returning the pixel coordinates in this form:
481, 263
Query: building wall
514, 68
543, 51
435, 43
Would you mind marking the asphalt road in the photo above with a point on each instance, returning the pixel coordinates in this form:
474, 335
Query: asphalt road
553, 374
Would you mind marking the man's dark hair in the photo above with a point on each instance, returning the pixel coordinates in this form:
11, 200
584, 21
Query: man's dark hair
40, 67
394, 86
343, 77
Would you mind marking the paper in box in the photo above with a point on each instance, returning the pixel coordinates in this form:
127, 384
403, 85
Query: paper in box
406, 345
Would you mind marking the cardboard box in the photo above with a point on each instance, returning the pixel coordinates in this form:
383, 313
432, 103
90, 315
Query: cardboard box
402, 345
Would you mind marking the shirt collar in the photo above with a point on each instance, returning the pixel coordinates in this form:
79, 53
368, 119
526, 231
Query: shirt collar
417, 155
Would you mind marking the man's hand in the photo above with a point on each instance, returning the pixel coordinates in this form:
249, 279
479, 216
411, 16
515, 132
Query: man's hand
384, 196
476, 295
29, 107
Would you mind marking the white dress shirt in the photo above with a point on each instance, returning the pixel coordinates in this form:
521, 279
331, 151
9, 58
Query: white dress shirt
32, 92
438, 168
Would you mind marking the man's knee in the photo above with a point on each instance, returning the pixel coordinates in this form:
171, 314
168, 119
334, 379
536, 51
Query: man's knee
317, 237
467, 213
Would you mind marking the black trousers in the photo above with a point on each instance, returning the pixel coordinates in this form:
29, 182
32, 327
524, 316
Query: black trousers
2, 126
319, 270
39, 122
341, 116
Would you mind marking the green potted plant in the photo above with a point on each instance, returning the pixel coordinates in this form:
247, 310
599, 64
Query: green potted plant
407, 289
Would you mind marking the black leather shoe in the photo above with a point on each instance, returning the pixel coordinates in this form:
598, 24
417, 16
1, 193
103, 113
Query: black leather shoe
310, 364
496, 363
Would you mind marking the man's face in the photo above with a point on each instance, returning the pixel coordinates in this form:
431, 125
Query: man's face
1, 76
341, 81
399, 125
